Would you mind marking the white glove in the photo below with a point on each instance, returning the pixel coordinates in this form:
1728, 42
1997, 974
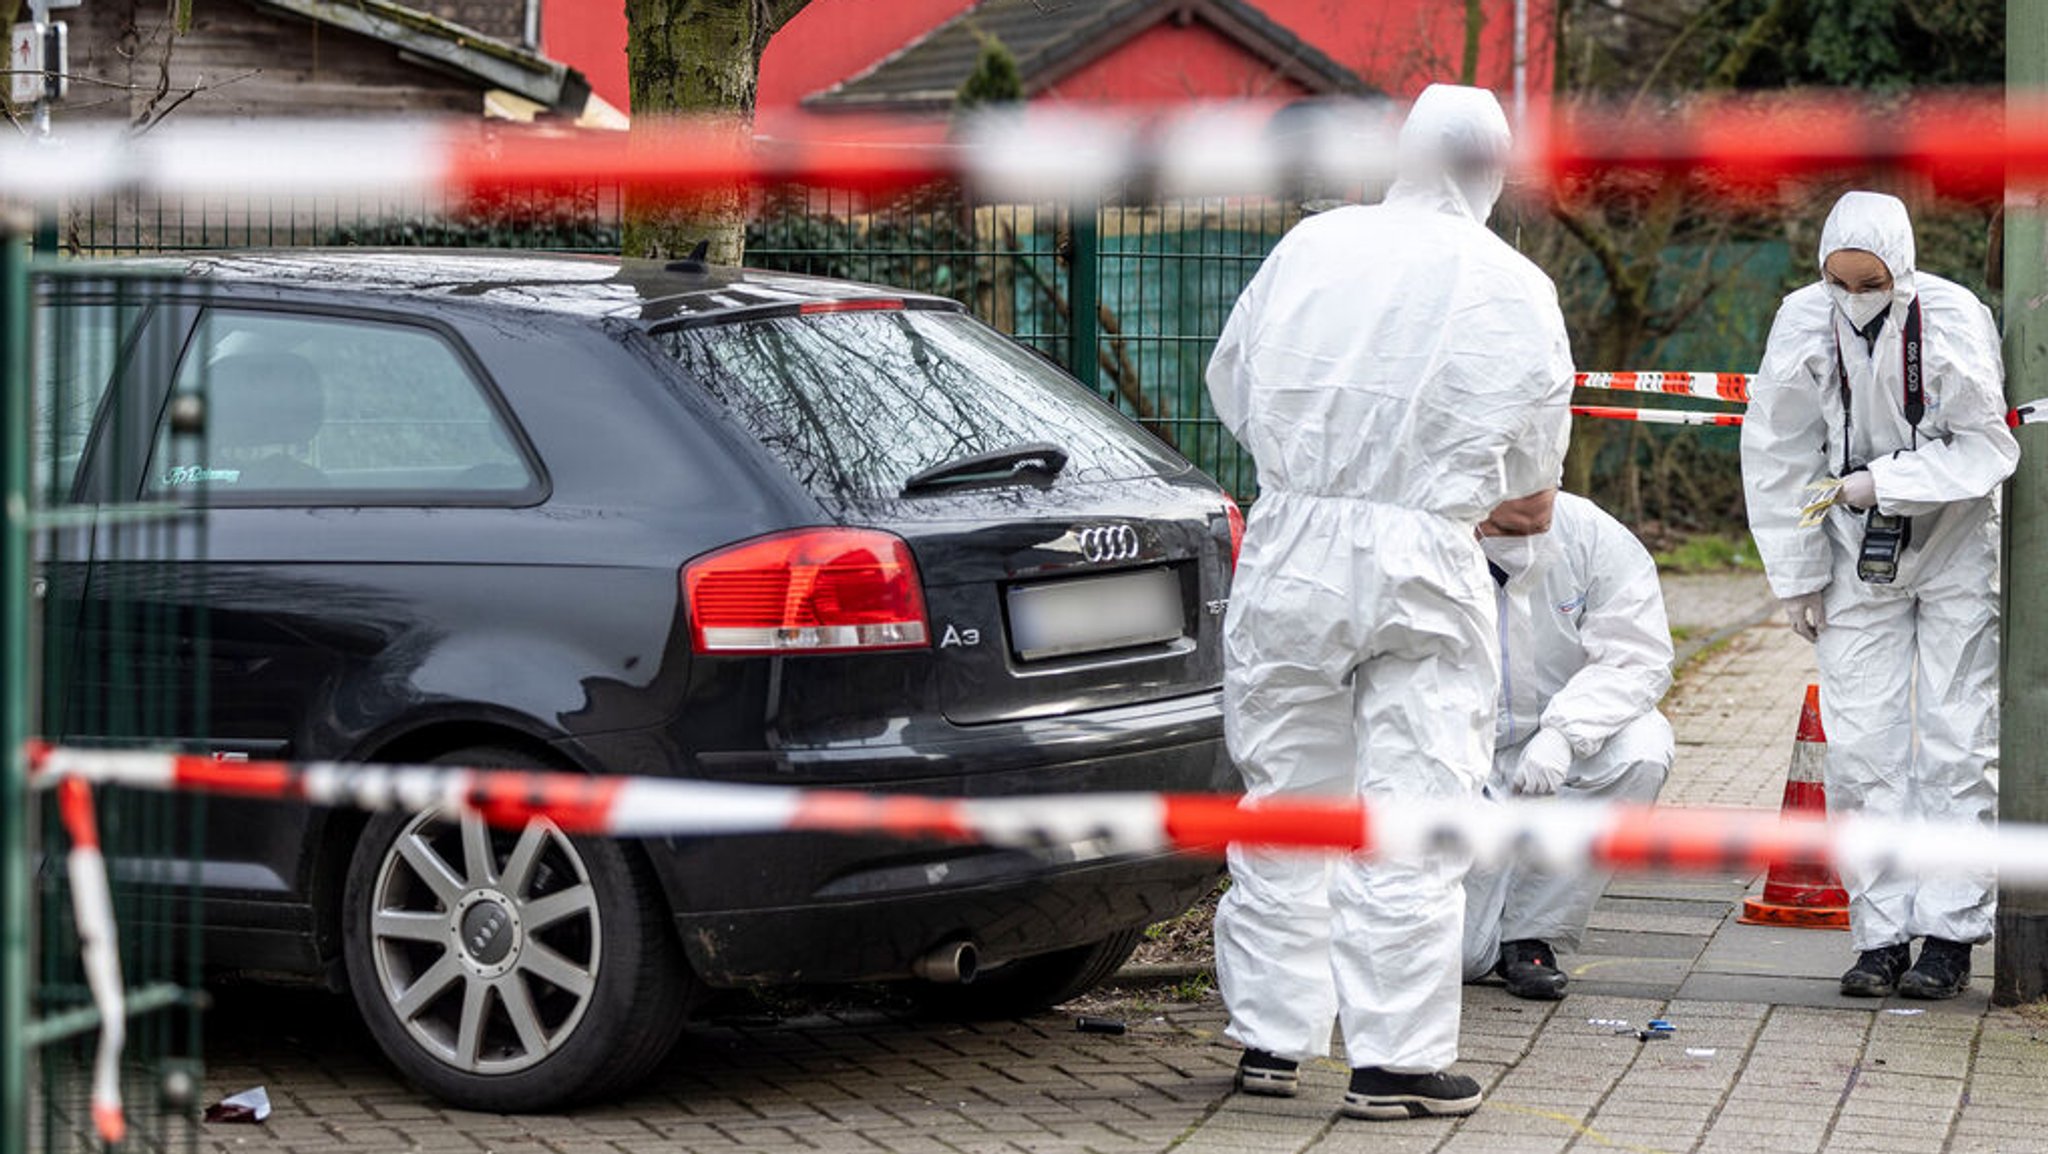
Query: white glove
1806, 613
1859, 490
1546, 759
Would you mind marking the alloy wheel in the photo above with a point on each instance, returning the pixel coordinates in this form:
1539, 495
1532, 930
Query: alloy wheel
485, 941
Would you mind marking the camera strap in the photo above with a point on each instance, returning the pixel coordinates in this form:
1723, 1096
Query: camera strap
1915, 386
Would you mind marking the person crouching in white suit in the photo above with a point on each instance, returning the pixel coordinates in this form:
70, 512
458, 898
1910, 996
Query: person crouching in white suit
1585, 658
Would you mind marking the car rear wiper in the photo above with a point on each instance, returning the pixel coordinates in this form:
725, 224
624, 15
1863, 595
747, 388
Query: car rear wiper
1033, 460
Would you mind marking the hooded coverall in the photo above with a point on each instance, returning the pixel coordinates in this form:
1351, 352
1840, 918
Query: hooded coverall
1585, 651
1908, 670
1396, 371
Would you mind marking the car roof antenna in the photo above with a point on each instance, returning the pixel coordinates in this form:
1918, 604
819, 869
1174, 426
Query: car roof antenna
695, 262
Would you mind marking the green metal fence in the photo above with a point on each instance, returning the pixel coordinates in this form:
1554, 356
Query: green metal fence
84, 661
1130, 298
583, 219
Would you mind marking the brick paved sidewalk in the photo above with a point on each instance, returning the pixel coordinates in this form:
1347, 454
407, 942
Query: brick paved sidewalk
1766, 1057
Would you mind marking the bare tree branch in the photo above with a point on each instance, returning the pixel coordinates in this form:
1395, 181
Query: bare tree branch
1597, 242
776, 13
1747, 45
1671, 50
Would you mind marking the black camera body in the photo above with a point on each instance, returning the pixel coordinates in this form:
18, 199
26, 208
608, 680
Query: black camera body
1885, 537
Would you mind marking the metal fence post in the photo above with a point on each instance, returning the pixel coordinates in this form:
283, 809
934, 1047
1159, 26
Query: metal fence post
2020, 941
15, 447
1083, 294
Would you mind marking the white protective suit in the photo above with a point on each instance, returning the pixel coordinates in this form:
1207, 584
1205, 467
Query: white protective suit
1586, 652
1396, 371
1908, 670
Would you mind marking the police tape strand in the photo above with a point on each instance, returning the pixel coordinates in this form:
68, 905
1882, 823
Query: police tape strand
1657, 416
1969, 144
92, 904
1730, 387
1708, 386
1552, 835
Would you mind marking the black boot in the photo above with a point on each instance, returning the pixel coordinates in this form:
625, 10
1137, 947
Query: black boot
1530, 969
1261, 1073
1382, 1095
1943, 971
1876, 972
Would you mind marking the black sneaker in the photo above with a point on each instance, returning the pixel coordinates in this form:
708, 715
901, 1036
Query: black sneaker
1876, 972
1381, 1095
1530, 969
1261, 1073
1943, 971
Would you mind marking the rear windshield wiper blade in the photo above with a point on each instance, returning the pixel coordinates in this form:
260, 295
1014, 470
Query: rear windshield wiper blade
1032, 461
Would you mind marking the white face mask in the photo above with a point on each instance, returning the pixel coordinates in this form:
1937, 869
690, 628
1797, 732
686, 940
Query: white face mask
1515, 555
1860, 308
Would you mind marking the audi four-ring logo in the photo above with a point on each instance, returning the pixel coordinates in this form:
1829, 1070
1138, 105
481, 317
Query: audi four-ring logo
1109, 543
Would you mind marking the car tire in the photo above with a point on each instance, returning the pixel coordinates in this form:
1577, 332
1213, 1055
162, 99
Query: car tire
508, 993
1028, 985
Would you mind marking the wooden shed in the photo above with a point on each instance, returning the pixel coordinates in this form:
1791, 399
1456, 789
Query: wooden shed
324, 58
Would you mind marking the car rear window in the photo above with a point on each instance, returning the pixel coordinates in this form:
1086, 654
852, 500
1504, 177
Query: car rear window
857, 403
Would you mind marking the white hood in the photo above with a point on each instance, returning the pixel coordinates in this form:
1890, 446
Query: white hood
1454, 144
1877, 224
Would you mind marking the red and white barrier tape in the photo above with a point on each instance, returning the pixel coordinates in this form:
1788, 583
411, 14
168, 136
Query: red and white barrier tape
1733, 387
92, 904
1969, 145
1707, 386
1657, 416
1552, 835
2031, 413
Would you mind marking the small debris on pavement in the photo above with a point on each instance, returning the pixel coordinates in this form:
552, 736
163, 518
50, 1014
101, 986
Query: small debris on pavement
1905, 1013
1610, 1022
1089, 1024
251, 1105
1700, 1052
1661, 1024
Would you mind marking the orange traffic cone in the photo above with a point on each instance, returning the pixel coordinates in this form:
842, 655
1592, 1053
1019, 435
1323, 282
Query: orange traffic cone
1807, 895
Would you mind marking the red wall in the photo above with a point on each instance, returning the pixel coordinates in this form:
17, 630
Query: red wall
831, 40
1402, 45
1166, 63
1399, 45
589, 36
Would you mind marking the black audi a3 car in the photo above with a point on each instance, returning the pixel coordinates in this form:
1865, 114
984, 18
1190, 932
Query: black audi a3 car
634, 518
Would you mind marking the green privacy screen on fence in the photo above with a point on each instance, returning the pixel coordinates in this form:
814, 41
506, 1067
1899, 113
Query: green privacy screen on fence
88, 661
1162, 279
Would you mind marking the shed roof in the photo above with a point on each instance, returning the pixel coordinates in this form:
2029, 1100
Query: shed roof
464, 51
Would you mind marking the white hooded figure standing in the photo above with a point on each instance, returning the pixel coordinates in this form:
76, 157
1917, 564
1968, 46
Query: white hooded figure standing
1906, 634
1396, 371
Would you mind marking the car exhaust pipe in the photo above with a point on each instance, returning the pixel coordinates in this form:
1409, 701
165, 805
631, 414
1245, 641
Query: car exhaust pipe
952, 964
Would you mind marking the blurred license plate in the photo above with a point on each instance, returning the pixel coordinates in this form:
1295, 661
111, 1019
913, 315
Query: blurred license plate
1089, 614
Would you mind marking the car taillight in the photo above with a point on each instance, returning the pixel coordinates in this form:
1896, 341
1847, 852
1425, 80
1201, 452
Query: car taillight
1236, 516
807, 591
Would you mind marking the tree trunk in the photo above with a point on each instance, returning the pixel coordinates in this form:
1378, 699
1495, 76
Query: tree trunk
1475, 20
695, 58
